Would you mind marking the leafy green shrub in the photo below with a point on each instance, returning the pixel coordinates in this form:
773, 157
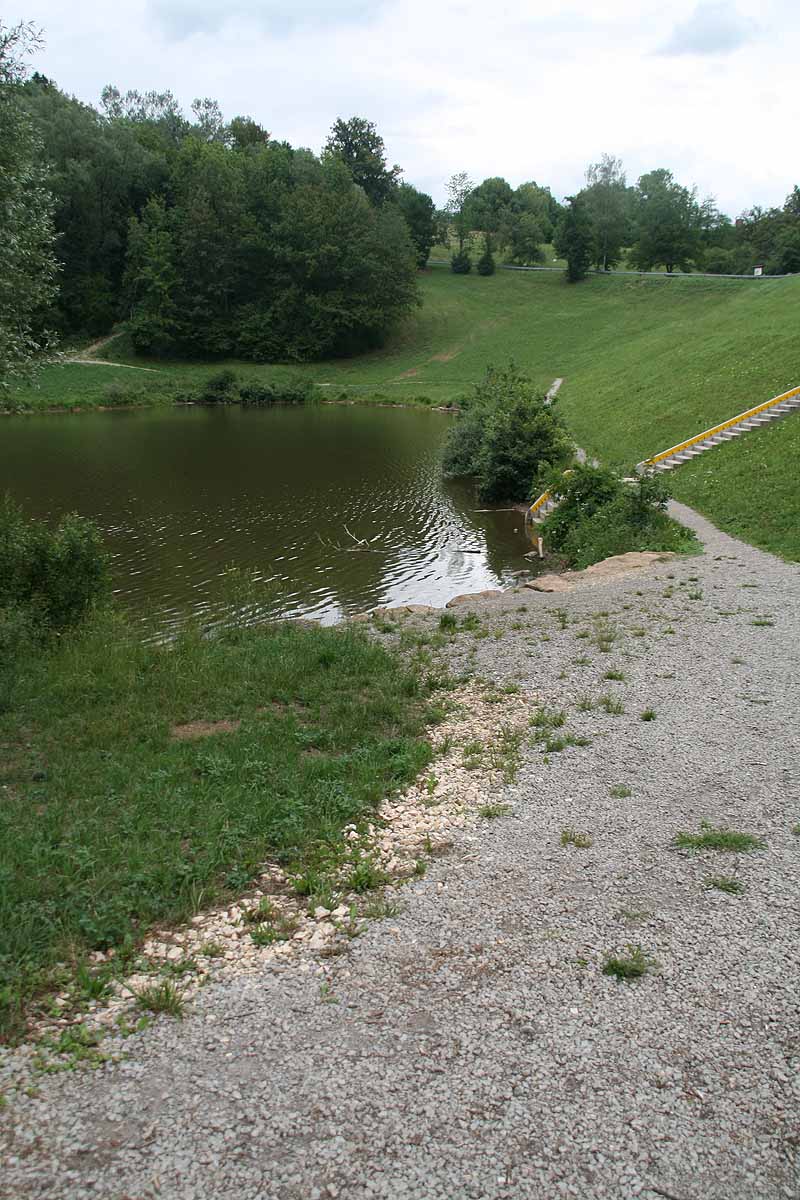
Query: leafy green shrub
54, 575
256, 393
461, 263
486, 264
599, 516
220, 388
505, 436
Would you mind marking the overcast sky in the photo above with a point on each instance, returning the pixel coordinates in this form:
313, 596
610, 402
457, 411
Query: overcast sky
528, 90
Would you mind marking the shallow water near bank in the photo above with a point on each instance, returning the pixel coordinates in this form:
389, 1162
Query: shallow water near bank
183, 495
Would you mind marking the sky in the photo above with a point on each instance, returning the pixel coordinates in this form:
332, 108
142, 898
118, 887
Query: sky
536, 89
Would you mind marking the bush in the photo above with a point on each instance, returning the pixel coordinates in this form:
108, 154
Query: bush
220, 388
506, 434
256, 393
461, 263
54, 576
486, 261
599, 516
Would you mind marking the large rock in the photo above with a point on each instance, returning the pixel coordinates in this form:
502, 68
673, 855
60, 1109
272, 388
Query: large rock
621, 564
549, 583
473, 597
609, 568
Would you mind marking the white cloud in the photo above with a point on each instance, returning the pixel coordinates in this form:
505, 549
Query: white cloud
528, 90
182, 18
712, 28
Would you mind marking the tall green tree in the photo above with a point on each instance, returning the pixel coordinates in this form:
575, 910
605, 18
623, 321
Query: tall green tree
28, 264
459, 190
361, 148
574, 238
100, 175
608, 203
419, 213
668, 223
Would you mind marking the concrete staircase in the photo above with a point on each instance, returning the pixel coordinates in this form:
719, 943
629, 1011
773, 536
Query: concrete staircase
754, 418
667, 460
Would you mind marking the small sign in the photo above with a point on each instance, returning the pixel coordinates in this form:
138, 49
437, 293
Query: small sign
758, 270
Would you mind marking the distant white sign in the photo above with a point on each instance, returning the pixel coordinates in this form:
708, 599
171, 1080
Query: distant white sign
758, 270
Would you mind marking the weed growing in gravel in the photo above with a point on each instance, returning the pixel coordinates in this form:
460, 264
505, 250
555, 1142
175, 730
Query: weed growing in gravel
162, 997
763, 622
711, 838
738, 662
572, 837
548, 718
490, 811
724, 883
585, 703
75, 1046
211, 950
378, 908
695, 594
612, 705
620, 791
504, 754
582, 662
605, 634
627, 966
276, 927
649, 714
796, 830
91, 985
448, 622
619, 676
583, 633
561, 616
473, 755
365, 876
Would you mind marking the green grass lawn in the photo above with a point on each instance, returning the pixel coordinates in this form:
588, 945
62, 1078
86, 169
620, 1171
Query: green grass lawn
109, 824
647, 361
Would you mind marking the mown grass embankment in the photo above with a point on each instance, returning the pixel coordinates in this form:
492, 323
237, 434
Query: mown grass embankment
110, 823
647, 362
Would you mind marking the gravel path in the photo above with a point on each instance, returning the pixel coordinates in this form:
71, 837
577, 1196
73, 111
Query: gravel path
471, 1046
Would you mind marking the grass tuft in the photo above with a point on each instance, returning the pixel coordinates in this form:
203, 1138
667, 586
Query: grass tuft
711, 838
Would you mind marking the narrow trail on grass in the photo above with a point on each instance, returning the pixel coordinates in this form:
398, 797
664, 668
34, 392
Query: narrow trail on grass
471, 1045
84, 359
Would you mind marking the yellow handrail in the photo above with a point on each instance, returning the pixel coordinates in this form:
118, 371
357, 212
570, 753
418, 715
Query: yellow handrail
701, 437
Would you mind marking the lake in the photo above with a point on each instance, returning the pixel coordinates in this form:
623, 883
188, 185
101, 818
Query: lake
184, 494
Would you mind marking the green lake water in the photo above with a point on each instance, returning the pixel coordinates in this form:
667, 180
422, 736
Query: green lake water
184, 494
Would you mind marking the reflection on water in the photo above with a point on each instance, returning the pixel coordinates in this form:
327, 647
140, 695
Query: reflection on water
184, 494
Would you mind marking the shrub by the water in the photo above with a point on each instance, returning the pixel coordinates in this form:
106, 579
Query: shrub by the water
55, 575
598, 515
461, 263
506, 435
220, 388
295, 390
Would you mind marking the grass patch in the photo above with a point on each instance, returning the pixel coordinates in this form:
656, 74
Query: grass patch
711, 838
724, 883
649, 714
619, 676
491, 811
572, 837
109, 825
163, 997
612, 705
620, 791
632, 965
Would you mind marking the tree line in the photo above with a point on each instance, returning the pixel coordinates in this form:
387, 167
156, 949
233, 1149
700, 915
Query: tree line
655, 224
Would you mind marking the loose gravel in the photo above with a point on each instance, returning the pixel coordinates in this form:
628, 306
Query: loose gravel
471, 1046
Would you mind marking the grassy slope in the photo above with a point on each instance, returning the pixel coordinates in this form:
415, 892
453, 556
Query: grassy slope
647, 362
